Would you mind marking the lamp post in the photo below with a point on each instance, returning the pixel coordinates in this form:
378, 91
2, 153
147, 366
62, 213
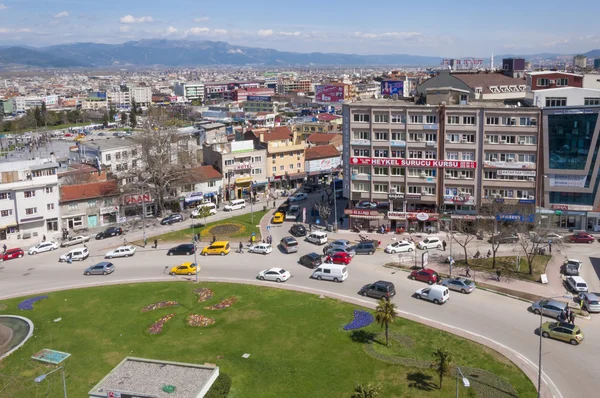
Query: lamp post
465, 381
335, 225
41, 378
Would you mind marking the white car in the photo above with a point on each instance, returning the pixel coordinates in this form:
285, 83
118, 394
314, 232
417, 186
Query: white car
577, 284
433, 242
43, 247
401, 246
122, 251
74, 240
274, 274
298, 197
549, 237
261, 248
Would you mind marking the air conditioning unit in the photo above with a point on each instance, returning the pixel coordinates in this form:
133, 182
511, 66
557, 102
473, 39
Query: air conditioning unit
463, 141
423, 175
531, 179
488, 141
273, 160
430, 143
448, 141
494, 160
298, 157
503, 141
496, 196
448, 175
521, 142
513, 121
463, 177
419, 139
552, 81
530, 197
510, 160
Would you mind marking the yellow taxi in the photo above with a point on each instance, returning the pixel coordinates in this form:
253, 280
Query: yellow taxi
220, 247
184, 269
278, 218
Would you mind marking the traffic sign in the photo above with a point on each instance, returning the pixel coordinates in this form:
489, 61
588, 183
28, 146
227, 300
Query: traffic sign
268, 227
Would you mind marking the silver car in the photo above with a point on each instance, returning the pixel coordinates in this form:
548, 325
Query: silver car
334, 250
342, 243
551, 308
459, 284
103, 268
591, 302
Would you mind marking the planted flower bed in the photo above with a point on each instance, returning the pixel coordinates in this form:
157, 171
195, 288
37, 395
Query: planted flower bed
223, 304
27, 305
162, 304
157, 327
204, 294
199, 320
361, 319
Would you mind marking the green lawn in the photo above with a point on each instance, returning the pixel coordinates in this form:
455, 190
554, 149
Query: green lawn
508, 265
296, 344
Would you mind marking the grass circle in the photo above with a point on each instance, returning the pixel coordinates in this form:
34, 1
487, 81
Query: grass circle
3, 306
228, 229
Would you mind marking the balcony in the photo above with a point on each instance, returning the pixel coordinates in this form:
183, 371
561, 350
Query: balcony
360, 142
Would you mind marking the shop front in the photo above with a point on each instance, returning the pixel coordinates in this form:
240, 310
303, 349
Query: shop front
242, 188
364, 219
193, 199
422, 222
456, 202
135, 205
295, 180
593, 221
108, 215
573, 219
8, 230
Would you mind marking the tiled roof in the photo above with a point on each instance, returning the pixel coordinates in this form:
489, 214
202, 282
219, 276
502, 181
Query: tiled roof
320, 138
278, 133
327, 117
70, 193
205, 173
485, 80
321, 152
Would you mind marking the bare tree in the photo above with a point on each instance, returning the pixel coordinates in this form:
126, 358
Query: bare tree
531, 239
324, 209
491, 223
464, 237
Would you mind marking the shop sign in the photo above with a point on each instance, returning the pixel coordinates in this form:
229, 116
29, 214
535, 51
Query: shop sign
422, 216
399, 196
515, 217
360, 212
527, 201
518, 173
559, 207
401, 144
137, 199
509, 165
567, 181
396, 215
455, 164
109, 210
242, 166
461, 200
430, 126
413, 196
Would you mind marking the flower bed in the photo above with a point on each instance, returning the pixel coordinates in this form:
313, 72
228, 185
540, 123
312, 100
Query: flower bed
204, 294
223, 304
27, 305
199, 320
162, 304
361, 319
157, 327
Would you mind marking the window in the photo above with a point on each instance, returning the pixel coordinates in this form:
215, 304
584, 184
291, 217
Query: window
134, 163
563, 81
93, 203
397, 171
430, 155
543, 82
31, 211
211, 184
591, 101
281, 155
381, 118
381, 171
468, 156
398, 136
77, 221
453, 119
381, 136
509, 121
416, 119
49, 189
256, 159
508, 139
431, 137
398, 154
360, 135
556, 101
360, 117
453, 138
73, 206
490, 175
528, 140
107, 157
291, 166
381, 153
431, 119
380, 188
118, 156
361, 170
291, 154
527, 158
492, 120
415, 154
362, 153
430, 191
6, 213
298, 165
421, 173
451, 155
468, 120
359, 187
230, 162
416, 137
134, 152
527, 121
398, 118
281, 168
50, 206
523, 194
412, 189
254, 172
5, 195
467, 138
29, 194
492, 139
274, 169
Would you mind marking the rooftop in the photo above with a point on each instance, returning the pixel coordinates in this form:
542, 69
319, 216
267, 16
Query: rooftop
205, 173
389, 103
327, 117
321, 152
92, 190
278, 133
110, 143
485, 80
546, 72
321, 138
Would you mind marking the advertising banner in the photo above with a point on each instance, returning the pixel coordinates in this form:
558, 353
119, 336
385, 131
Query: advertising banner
323, 164
137, 199
509, 165
517, 173
329, 93
260, 98
360, 212
392, 87
456, 164
569, 181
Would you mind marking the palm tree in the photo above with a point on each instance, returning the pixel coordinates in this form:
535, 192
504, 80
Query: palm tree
441, 363
385, 313
368, 391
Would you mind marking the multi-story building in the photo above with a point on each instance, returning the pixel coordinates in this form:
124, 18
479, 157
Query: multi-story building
565, 96
242, 94
580, 61
7, 107
285, 86
424, 160
190, 91
323, 162
597, 63
23, 104
320, 139
120, 156
29, 200
119, 97
545, 80
202, 184
142, 95
255, 104
90, 205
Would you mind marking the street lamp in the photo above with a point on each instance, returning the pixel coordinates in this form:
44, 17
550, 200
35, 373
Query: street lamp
41, 378
465, 381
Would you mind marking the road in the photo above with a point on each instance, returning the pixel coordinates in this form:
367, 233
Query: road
499, 322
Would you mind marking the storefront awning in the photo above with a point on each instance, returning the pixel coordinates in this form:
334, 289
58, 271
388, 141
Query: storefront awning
296, 176
260, 183
366, 217
8, 226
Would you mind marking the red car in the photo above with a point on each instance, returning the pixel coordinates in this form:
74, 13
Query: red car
12, 253
339, 258
581, 237
425, 275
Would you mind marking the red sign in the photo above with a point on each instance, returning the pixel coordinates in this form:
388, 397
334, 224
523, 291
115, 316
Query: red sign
329, 93
243, 166
559, 207
360, 212
455, 164
137, 199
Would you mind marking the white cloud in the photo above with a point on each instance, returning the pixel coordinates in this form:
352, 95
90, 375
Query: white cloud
132, 19
11, 30
388, 35
62, 14
265, 32
171, 30
201, 19
124, 29
220, 31
196, 31
289, 33
3, 6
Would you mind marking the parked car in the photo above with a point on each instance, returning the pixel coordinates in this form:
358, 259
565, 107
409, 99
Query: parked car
183, 249
298, 197
571, 267
311, 260
580, 237
103, 268
317, 237
339, 258
293, 213
310, 188
274, 274
74, 240
12, 253
549, 237
367, 247
343, 243
187, 268
365, 204
577, 284
562, 331
121, 251
331, 272
401, 246
378, 290
212, 210
591, 302
235, 204
107, 233
43, 247
78, 254
298, 230
435, 293
172, 219
261, 248
289, 244
548, 307
278, 218
219, 247
504, 239
432, 242
348, 250
425, 275
459, 284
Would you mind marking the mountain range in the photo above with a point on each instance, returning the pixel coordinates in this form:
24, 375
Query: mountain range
176, 53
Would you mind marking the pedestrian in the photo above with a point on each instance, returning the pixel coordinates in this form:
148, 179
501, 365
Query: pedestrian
155, 244
214, 239
4, 248
562, 317
274, 205
572, 318
498, 274
444, 244
341, 221
44, 238
468, 271
567, 313
241, 247
580, 300
322, 197
550, 247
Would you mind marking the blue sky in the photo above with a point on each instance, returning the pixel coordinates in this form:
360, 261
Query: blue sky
434, 27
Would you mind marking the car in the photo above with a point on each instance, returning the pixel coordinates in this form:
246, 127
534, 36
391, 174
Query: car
220, 248
366, 204
435, 293
183, 249
298, 197
401, 246
171, 219
432, 242
274, 274
210, 208
548, 307
75, 240
341, 243
348, 250
425, 275
577, 284
591, 302
112, 231
311, 260
310, 188
581, 237
504, 239
571, 267
459, 284
121, 251
366, 247
77, 254
549, 237
378, 290
298, 230
562, 331
43, 247
289, 244
187, 268
283, 208
103, 268
278, 218
293, 213
261, 248
12, 253
339, 258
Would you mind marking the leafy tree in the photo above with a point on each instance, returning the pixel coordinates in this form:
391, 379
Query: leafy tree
442, 360
44, 113
203, 212
366, 391
105, 119
37, 114
124, 118
134, 107
132, 119
111, 114
385, 313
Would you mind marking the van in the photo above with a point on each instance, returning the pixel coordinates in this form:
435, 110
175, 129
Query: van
317, 237
331, 272
436, 293
235, 204
289, 244
220, 247
212, 208
79, 254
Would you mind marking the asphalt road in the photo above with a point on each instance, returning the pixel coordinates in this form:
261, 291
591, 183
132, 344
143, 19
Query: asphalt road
499, 322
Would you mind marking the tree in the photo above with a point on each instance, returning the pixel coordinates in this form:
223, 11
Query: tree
367, 391
203, 212
441, 363
134, 107
44, 112
385, 313
532, 238
105, 119
324, 209
492, 223
124, 118
465, 236
132, 119
112, 112
37, 114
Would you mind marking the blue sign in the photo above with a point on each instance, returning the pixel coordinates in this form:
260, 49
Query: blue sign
262, 98
268, 227
527, 201
515, 217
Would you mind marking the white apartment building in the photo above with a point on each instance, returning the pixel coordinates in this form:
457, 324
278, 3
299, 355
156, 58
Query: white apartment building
23, 104
29, 200
141, 95
190, 91
120, 156
118, 99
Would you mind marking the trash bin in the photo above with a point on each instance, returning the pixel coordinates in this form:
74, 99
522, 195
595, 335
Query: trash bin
329, 227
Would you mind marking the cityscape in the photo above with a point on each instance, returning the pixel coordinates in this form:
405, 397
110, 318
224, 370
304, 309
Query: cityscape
425, 205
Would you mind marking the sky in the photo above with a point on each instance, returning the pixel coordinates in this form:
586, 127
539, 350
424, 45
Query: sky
466, 28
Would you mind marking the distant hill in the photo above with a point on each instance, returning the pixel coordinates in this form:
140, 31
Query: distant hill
593, 54
33, 57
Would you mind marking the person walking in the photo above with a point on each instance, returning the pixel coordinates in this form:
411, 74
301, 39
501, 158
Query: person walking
567, 314
444, 244
4, 248
214, 239
572, 318
241, 246
498, 274
44, 238
155, 243
468, 271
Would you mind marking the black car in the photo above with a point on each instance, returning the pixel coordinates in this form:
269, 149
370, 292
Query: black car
368, 247
173, 218
298, 230
182, 250
311, 260
379, 289
112, 231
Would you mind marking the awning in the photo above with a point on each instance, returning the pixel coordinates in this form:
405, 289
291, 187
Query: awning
260, 183
210, 194
296, 176
8, 226
366, 217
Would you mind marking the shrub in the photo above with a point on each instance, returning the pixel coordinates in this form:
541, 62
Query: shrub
220, 388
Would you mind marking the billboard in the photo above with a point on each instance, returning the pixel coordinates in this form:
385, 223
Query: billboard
463, 64
392, 87
329, 93
261, 98
569, 181
323, 164
454, 164
97, 95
